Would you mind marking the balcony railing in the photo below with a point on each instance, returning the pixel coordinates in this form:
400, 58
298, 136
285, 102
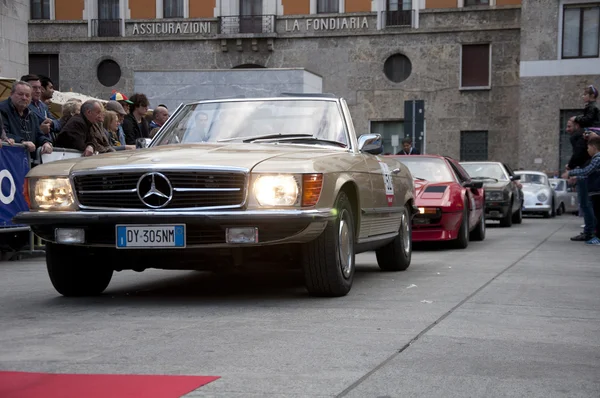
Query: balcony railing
247, 24
106, 27
399, 18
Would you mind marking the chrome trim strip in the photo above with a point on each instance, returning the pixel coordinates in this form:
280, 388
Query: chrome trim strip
382, 210
159, 167
68, 216
145, 209
377, 237
114, 191
207, 189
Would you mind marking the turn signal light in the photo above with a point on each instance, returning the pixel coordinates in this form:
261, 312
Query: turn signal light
26, 192
311, 189
428, 210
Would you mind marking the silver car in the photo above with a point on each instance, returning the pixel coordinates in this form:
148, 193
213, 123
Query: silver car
539, 197
566, 196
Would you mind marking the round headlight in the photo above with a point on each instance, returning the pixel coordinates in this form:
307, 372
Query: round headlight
542, 197
279, 190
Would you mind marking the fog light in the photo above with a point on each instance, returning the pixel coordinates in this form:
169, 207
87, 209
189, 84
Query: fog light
69, 235
242, 235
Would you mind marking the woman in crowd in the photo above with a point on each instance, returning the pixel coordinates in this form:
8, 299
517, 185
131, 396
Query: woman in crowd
111, 128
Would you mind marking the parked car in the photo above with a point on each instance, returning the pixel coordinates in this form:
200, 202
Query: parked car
503, 195
539, 197
231, 182
566, 196
451, 205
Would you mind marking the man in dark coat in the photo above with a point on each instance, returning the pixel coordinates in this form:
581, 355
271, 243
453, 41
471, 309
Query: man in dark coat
579, 159
19, 123
407, 148
135, 125
83, 131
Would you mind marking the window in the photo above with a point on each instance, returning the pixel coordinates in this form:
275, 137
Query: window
477, 3
172, 8
108, 9
580, 31
397, 68
565, 150
109, 73
46, 65
398, 13
473, 146
40, 9
475, 66
328, 6
392, 133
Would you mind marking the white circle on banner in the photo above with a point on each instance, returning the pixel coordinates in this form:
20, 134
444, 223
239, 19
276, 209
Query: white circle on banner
13, 188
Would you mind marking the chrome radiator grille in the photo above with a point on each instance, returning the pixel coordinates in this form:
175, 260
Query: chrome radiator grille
161, 190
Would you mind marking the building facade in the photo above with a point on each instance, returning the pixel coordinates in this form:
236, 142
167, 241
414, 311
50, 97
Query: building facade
14, 15
559, 58
460, 58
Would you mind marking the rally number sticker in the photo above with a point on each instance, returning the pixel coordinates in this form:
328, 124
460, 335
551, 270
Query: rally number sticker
388, 182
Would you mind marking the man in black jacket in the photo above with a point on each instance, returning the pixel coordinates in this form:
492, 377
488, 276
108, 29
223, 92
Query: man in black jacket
135, 124
579, 159
19, 123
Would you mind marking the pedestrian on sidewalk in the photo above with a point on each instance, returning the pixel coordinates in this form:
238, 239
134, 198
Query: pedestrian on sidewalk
592, 173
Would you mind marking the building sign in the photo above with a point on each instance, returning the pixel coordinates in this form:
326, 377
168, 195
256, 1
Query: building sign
170, 28
318, 24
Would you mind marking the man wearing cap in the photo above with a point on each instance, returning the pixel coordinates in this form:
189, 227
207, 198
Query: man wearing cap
121, 99
118, 108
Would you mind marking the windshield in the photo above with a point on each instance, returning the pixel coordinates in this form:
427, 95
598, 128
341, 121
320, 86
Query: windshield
256, 121
533, 179
489, 170
430, 169
558, 185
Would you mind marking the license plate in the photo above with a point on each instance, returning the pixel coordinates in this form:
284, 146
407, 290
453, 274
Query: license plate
150, 236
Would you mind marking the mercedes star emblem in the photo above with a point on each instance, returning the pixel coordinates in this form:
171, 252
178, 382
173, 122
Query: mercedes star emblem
154, 190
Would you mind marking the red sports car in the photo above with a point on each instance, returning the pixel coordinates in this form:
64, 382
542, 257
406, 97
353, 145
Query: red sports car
451, 205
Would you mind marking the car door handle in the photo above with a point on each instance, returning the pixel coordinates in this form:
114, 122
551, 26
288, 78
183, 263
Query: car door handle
396, 171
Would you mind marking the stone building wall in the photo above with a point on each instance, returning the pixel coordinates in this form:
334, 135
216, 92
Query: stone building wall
14, 56
543, 96
350, 63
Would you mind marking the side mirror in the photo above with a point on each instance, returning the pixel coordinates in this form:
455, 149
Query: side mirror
143, 142
516, 177
370, 143
474, 184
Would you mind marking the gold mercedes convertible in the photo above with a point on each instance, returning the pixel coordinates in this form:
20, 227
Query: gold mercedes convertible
230, 183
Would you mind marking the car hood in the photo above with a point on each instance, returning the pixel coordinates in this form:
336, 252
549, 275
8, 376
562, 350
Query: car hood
236, 156
534, 188
493, 185
426, 190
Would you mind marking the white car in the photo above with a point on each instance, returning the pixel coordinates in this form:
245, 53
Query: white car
566, 196
539, 197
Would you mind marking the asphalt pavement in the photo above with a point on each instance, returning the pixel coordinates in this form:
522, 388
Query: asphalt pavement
517, 315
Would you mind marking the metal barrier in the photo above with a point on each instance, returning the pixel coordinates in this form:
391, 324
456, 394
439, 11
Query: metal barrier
15, 163
57, 154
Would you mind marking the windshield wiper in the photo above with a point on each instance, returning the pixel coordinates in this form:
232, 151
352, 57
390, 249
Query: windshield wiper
419, 178
315, 140
263, 137
484, 178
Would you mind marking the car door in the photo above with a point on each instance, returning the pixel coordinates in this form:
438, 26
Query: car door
474, 197
387, 177
517, 193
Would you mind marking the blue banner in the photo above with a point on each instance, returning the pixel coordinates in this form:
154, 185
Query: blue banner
14, 165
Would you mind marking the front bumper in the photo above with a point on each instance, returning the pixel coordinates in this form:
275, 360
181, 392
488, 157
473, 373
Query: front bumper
204, 229
532, 205
496, 210
435, 228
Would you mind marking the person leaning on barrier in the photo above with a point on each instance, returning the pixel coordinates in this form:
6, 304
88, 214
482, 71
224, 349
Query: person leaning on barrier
116, 107
84, 132
48, 123
70, 109
20, 124
111, 129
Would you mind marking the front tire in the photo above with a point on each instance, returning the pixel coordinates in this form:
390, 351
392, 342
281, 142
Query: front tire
507, 220
396, 255
478, 233
561, 209
329, 261
74, 273
462, 240
517, 218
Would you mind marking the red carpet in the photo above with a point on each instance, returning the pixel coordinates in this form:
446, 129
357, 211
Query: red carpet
49, 385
